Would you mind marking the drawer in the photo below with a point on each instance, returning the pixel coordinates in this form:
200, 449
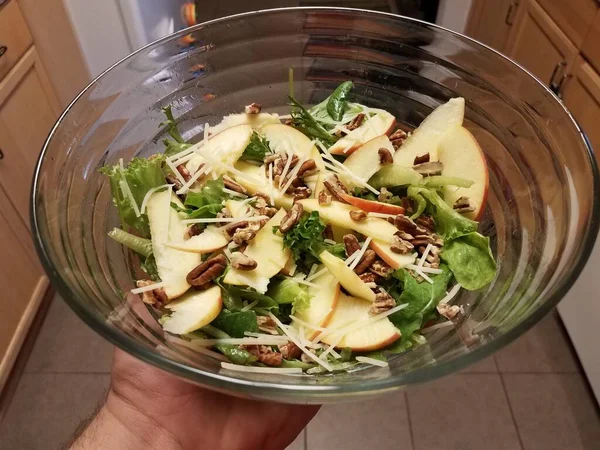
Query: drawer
15, 38
574, 17
591, 45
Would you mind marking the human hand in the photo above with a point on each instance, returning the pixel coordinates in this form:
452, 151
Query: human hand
149, 408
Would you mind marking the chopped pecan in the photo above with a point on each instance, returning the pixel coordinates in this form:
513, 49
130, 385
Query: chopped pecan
231, 229
172, 179
267, 325
253, 108
384, 195
307, 166
207, 271
381, 268
302, 192
429, 168
463, 205
448, 311
185, 174
245, 234
324, 198
404, 223
398, 137
328, 232
370, 277
383, 302
400, 245
233, 185
351, 244
385, 156
291, 218
193, 230
155, 296
423, 239
265, 354
358, 215
404, 235
290, 351
336, 187
365, 262
356, 122
420, 159
240, 261
426, 222
271, 158
408, 204
262, 196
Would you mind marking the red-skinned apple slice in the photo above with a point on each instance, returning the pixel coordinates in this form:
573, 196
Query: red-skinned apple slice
208, 241
193, 311
324, 298
371, 337
365, 161
426, 138
346, 277
462, 157
381, 123
395, 260
283, 137
373, 206
256, 121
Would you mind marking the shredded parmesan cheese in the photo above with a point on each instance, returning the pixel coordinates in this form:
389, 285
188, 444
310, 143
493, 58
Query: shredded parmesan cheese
306, 324
288, 163
372, 361
234, 193
423, 269
316, 274
249, 306
149, 194
294, 173
224, 219
254, 369
192, 180
381, 215
150, 287
361, 253
450, 295
437, 326
240, 341
424, 257
271, 199
126, 190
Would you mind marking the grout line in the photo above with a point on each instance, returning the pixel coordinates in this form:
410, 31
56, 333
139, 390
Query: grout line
512, 414
410, 429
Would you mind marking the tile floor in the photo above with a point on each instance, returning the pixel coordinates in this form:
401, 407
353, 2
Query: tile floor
529, 396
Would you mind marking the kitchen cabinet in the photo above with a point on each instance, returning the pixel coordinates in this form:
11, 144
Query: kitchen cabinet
591, 44
539, 45
581, 94
15, 38
491, 21
573, 17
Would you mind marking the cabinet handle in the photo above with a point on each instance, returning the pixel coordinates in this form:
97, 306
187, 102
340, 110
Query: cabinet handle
510, 13
1, 155
3, 49
557, 70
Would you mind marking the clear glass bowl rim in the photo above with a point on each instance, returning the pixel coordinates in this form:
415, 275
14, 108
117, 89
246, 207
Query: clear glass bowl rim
262, 389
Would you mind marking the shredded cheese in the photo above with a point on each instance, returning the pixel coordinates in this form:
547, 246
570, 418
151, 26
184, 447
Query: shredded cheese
424, 257
126, 190
249, 306
149, 194
437, 326
329, 241
175, 171
224, 219
252, 334
288, 163
186, 187
361, 253
425, 277
240, 341
182, 154
150, 287
206, 128
271, 199
307, 283
381, 215
421, 270
294, 173
197, 349
234, 193
306, 324
316, 275
184, 159
450, 295
254, 369
372, 361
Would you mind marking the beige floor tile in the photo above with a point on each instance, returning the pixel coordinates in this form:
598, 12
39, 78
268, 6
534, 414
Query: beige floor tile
545, 348
462, 412
66, 344
553, 411
48, 408
487, 365
380, 424
298, 443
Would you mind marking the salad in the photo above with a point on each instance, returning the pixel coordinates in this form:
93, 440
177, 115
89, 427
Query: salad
315, 242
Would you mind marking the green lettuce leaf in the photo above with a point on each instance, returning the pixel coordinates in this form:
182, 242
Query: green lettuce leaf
141, 175
336, 104
172, 147
139, 245
235, 354
236, 323
208, 202
470, 259
288, 291
305, 122
257, 149
233, 297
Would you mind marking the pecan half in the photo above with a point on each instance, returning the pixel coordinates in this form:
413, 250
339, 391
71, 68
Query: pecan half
426, 222
265, 354
336, 187
423, 239
291, 218
463, 205
193, 230
302, 192
172, 179
351, 244
267, 325
420, 159
356, 122
229, 183
448, 311
400, 245
324, 198
370, 277
381, 268
383, 302
185, 174
245, 234
398, 137
253, 108
231, 229
429, 168
358, 215
155, 296
405, 224
365, 262
328, 232
240, 261
290, 351
408, 204
204, 273
404, 235
385, 156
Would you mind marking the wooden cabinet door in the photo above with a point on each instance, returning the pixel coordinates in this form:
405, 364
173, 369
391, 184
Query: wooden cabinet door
539, 45
581, 94
14, 37
574, 17
490, 21
28, 109
591, 45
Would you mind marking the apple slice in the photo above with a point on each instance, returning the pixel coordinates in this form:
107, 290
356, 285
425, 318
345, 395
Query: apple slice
254, 181
208, 241
346, 277
338, 214
193, 311
381, 123
426, 138
394, 175
166, 226
365, 161
237, 208
225, 147
394, 260
338, 232
462, 157
373, 206
256, 121
268, 251
323, 302
371, 337
285, 138
290, 267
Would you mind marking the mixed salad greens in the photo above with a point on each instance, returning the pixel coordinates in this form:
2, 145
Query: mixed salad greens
330, 240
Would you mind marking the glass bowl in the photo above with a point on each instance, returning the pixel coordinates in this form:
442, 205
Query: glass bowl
542, 213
